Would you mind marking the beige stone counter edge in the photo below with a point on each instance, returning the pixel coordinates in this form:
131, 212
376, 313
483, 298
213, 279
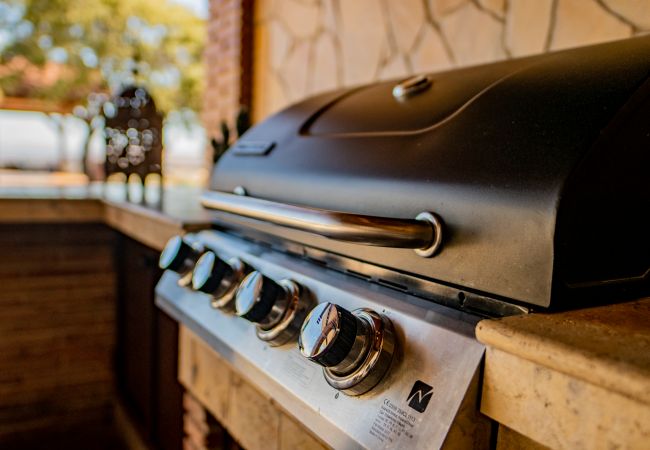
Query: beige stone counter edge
148, 226
612, 375
18, 210
141, 223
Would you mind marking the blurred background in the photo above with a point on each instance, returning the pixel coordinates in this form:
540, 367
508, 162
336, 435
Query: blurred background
62, 62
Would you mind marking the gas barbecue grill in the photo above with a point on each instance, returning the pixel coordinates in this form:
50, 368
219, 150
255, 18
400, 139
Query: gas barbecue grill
367, 230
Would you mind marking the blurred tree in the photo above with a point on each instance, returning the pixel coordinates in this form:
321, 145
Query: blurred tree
69, 51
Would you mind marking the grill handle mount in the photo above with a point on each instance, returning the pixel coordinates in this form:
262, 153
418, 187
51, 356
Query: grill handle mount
422, 234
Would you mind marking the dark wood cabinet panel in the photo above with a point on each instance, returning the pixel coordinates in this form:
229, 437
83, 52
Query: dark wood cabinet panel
136, 329
78, 319
168, 392
147, 350
57, 335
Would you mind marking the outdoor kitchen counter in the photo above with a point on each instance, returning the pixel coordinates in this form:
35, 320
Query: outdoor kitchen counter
576, 379
151, 222
79, 318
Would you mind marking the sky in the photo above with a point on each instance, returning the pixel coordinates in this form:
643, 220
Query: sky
200, 7
30, 139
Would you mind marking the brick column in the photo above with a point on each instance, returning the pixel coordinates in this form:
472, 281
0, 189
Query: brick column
228, 58
202, 431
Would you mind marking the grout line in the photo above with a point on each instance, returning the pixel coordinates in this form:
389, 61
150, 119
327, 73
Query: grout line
487, 11
393, 46
620, 17
504, 30
551, 26
417, 42
438, 29
338, 47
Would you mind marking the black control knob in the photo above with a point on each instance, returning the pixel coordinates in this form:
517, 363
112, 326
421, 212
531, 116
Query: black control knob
178, 256
217, 277
355, 348
208, 273
329, 335
261, 300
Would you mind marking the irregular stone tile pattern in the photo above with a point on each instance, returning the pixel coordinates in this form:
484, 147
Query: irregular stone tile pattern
304, 47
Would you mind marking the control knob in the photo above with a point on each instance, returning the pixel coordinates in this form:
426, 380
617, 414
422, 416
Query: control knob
276, 307
355, 348
217, 277
179, 256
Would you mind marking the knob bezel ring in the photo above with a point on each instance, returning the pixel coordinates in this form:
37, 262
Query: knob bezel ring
225, 301
376, 363
289, 325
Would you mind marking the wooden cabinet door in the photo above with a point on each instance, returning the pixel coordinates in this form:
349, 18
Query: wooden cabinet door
147, 350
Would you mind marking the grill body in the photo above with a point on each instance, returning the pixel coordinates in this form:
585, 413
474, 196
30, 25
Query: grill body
538, 167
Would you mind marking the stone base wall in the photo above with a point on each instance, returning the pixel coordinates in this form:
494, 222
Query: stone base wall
303, 47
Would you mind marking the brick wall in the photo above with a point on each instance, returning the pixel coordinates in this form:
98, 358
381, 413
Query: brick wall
228, 62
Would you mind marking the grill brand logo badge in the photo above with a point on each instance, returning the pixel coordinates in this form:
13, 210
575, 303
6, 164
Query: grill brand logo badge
420, 395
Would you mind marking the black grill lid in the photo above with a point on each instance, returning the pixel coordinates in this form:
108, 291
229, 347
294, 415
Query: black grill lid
539, 168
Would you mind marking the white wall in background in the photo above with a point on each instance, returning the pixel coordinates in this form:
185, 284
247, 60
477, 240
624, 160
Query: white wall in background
30, 140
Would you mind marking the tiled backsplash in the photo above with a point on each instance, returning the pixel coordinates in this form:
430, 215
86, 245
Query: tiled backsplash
302, 47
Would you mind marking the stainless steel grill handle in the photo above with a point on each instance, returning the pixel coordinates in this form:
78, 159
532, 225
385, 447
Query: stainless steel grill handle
423, 234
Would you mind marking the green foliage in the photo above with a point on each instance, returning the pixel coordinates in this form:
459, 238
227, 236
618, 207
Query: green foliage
100, 45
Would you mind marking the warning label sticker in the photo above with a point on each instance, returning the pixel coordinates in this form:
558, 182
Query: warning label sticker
392, 423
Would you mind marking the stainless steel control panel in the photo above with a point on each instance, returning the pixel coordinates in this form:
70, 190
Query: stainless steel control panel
425, 396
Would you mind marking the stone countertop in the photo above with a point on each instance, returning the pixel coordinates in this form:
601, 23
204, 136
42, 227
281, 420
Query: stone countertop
608, 346
150, 216
573, 379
